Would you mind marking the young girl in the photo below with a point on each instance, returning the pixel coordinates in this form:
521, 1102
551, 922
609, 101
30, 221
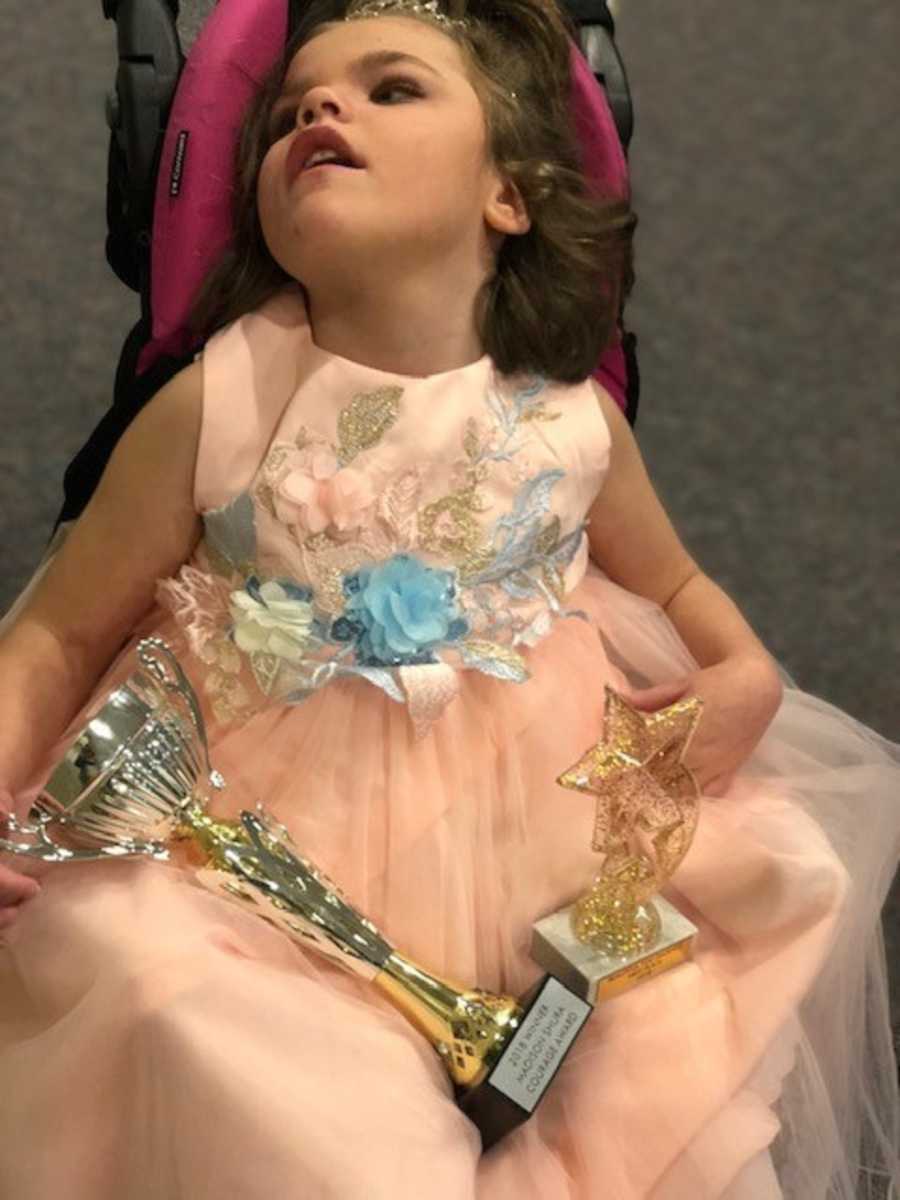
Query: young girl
401, 540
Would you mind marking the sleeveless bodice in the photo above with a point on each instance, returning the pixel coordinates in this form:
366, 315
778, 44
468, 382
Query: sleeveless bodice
388, 527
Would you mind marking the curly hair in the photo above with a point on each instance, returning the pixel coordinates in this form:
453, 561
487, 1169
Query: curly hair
552, 305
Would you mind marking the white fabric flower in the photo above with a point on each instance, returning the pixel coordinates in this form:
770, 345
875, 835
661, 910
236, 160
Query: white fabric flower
278, 625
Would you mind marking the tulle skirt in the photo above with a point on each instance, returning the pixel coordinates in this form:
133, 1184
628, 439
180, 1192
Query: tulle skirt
157, 1041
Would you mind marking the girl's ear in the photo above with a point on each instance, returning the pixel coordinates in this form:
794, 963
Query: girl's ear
506, 212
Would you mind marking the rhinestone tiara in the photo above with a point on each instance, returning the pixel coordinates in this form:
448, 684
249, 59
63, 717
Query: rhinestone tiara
430, 11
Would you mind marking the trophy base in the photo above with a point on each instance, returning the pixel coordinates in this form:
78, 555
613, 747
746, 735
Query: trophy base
594, 976
507, 1097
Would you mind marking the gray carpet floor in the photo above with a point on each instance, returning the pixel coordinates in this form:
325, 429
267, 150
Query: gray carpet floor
767, 307
768, 314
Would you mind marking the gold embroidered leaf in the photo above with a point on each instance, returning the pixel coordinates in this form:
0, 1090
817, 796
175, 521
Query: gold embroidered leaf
477, 562
317, 543
330, 592
471, 444
365, 420
540, 412
275, 459
325, 561
449, 526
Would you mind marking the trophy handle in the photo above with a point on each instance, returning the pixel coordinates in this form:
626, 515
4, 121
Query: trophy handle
165, 669
47, 850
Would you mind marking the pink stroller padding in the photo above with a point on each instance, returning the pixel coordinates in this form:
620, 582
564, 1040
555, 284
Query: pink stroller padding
236, 47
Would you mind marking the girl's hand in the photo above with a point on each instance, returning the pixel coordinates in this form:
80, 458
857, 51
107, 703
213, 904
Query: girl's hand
15, 889
741, 697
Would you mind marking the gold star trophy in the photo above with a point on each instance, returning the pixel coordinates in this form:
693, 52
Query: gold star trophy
614, 936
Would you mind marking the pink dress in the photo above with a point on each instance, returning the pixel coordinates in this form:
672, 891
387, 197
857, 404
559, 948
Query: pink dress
399, 644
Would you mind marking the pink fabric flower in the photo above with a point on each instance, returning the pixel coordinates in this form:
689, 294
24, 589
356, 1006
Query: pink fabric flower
321, 494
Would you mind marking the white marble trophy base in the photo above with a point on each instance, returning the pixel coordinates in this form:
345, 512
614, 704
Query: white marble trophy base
592, 975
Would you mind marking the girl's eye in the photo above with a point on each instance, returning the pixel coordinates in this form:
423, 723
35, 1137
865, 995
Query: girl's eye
287, 118
409, 86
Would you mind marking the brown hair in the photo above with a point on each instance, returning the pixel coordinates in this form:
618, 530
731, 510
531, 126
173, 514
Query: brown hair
552, 305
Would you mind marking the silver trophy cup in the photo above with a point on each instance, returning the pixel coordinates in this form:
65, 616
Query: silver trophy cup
132, 783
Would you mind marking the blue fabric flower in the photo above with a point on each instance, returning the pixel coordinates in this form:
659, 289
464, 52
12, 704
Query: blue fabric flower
400, 611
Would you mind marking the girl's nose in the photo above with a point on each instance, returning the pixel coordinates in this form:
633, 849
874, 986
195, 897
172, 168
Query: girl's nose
317, 101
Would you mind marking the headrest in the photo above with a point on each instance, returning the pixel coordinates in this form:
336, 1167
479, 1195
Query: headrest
235, 49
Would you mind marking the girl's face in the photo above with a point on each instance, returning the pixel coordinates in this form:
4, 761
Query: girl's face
427, 193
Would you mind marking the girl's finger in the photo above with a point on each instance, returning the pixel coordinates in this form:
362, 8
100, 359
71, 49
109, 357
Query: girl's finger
14, 888
651, 699
8, 917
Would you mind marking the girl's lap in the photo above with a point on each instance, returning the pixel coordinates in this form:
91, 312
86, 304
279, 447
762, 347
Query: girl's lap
145, 991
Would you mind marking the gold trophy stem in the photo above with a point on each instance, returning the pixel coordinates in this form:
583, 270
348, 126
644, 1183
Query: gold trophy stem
207, 833
468, 1027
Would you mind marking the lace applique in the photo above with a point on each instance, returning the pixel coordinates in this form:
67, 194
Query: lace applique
449, 526
369, 603
520, 558
199, 602
309, 484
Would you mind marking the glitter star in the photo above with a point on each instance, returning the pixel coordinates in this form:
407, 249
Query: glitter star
647, 799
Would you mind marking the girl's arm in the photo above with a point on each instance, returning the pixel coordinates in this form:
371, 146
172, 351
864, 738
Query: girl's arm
140, 525
632, 539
